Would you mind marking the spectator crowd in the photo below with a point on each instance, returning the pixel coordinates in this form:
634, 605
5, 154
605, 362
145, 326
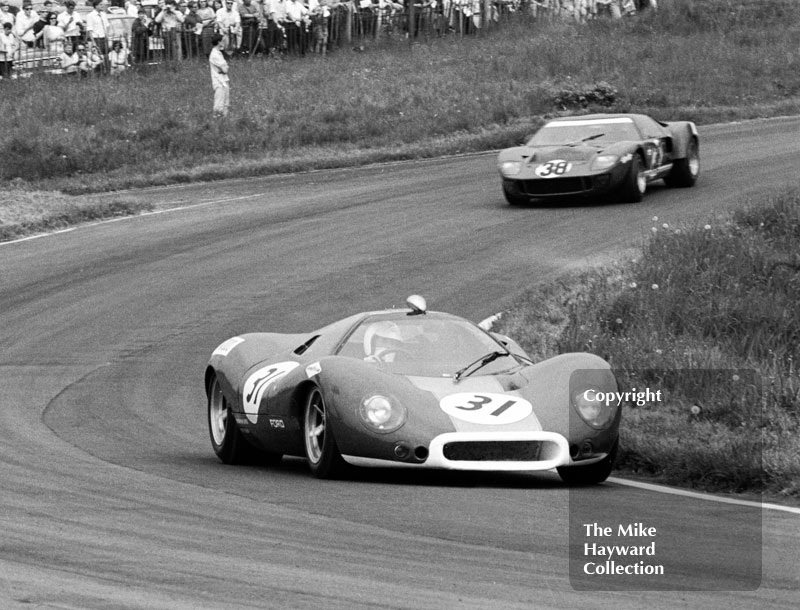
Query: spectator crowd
112, 37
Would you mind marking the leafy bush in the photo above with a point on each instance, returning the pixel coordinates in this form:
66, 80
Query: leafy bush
574, 95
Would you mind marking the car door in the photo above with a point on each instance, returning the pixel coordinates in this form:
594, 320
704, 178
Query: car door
657, 145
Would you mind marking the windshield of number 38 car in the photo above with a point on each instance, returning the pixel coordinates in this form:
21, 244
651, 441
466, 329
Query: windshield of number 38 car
592, 132
423, 345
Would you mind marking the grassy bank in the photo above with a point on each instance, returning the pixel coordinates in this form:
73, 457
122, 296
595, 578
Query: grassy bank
25, 212
708, 314
704, 60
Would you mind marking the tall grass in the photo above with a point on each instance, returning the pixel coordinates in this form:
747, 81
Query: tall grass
710, 315
702, 60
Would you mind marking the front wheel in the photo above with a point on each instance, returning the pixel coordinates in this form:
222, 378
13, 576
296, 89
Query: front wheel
685, 171
591, 474
514, 199
322, 453
226, 439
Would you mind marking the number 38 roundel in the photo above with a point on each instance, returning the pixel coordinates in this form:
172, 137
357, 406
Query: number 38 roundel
486, 408
552, 169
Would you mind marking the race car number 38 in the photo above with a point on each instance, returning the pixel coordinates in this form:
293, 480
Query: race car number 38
553, 169
486, 408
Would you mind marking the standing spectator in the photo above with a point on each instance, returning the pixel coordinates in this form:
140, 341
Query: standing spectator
97, 30
132, 8
8, 47
68, 61
24, 24
47, 8
296, 25
171, 21
6, 16
219, 77
250, 14
192, 30
423, 16
320, 21
609, 9
52, 35
276, 14
141, 30
72, 23
207, 18
229, 24
117, 58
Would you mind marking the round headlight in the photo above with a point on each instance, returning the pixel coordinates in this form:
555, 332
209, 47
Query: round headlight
604, 161
510, 168
595, 408
381, 414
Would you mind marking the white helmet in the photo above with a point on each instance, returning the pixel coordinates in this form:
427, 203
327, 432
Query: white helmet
381, 332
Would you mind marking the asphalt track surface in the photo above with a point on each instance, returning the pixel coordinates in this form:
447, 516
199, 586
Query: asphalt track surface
110, 495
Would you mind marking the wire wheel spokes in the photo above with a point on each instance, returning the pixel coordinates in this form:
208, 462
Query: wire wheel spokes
217, 413
315, 426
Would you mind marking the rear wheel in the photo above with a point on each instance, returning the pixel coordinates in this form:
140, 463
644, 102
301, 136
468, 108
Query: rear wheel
322, 453
635, 184
685, 171
591, 474
227, 440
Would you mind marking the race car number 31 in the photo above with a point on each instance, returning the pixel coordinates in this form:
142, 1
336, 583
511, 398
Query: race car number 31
259, 382
486, 408
553, 169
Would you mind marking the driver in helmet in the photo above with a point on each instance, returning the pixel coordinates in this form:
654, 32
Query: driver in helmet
382, 340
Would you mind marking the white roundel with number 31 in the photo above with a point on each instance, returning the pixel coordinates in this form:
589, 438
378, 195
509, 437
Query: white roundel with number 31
486, 408
552, 169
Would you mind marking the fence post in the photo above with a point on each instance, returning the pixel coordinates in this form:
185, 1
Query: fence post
412, 24
348, 23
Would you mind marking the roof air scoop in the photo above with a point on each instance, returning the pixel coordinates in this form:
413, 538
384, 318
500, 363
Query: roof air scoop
417, 304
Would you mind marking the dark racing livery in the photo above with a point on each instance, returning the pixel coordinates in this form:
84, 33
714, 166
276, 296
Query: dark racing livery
412, 388
600, 154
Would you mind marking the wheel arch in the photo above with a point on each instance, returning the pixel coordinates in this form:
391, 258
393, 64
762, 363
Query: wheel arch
211, 373
682, 134
299, 397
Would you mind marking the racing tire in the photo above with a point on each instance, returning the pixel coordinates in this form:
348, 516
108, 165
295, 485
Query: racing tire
635, 184
227, 440
685, 171
591, 474
324, 458
513, 199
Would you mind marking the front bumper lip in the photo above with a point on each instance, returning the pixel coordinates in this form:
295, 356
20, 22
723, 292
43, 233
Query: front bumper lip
554, 452
599, 183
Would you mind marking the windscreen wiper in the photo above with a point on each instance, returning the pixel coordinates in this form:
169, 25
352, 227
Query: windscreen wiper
479, 363
586, 139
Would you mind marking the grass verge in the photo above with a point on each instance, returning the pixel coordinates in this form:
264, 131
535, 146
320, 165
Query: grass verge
709, 314
25, 212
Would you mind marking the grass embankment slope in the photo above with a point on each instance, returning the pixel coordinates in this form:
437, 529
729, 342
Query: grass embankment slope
709, 315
